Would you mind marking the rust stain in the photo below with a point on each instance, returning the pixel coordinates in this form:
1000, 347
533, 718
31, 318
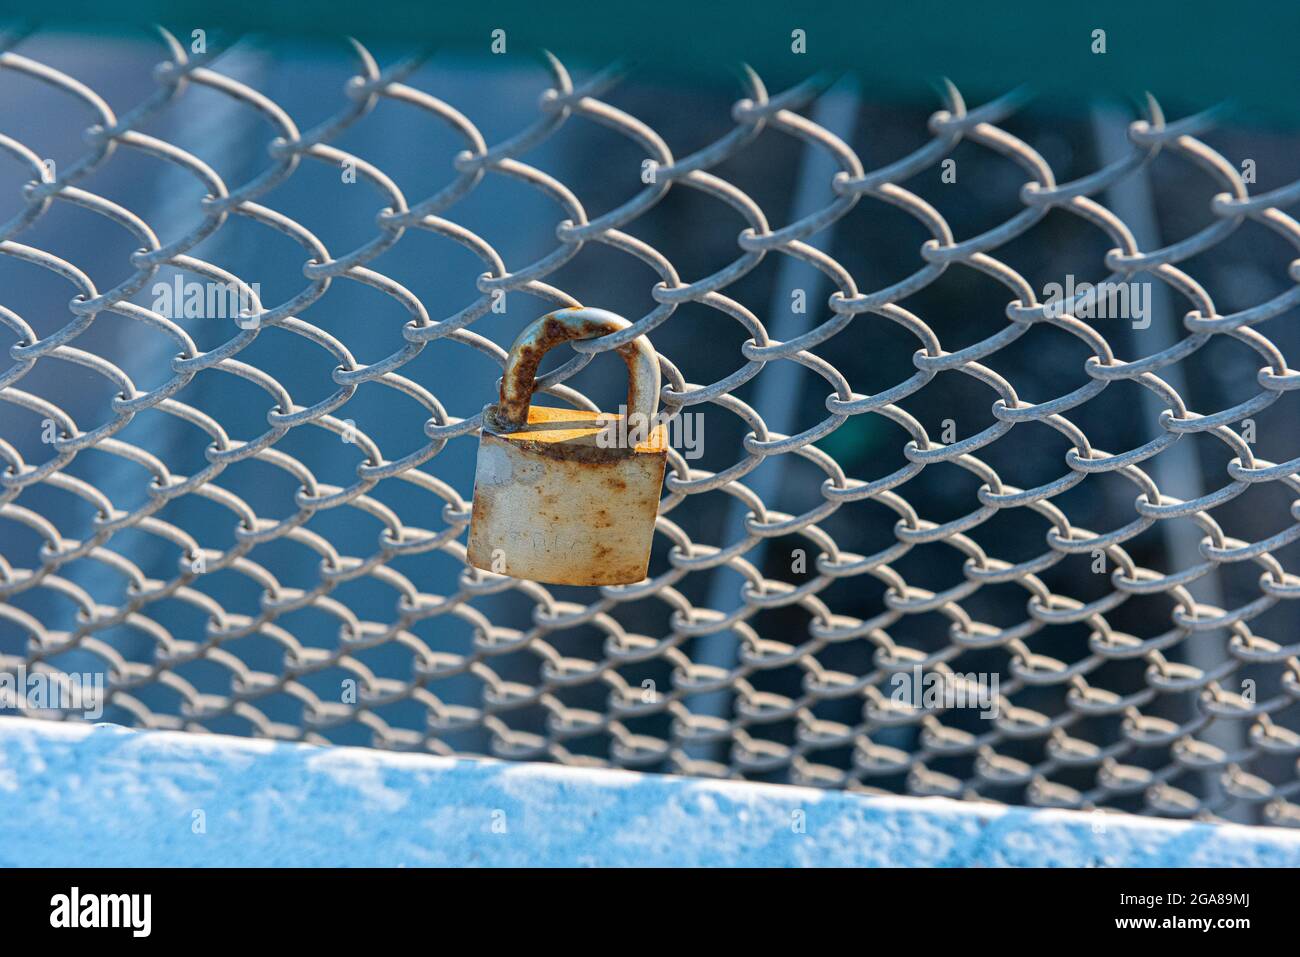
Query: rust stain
481, 517
518, 385
517, 389
566, 512
565, 434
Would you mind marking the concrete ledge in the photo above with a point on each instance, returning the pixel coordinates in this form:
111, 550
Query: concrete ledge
100, 795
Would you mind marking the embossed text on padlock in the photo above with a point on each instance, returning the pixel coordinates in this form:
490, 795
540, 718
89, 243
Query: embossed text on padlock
555, 500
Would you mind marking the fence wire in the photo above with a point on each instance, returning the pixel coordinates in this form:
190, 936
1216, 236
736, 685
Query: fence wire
1192, 714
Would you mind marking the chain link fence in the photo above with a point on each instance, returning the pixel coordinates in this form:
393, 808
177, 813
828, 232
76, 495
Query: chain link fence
918, 561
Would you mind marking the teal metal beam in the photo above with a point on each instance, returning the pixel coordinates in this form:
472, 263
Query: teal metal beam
1192, 54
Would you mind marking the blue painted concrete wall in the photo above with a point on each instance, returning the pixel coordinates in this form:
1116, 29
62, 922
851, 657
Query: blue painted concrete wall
102, 795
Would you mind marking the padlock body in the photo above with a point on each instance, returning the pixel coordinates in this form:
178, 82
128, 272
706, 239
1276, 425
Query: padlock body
552, 505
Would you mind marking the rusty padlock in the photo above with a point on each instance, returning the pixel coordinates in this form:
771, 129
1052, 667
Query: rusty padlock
558, 496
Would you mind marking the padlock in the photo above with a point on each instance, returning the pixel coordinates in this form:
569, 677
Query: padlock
561, 495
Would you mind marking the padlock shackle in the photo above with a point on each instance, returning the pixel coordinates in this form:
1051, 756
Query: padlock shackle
564, 325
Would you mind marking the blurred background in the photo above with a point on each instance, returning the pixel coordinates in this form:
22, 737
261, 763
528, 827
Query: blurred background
788, 179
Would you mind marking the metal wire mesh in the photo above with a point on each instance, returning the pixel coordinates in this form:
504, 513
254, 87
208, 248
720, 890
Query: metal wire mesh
780, 682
